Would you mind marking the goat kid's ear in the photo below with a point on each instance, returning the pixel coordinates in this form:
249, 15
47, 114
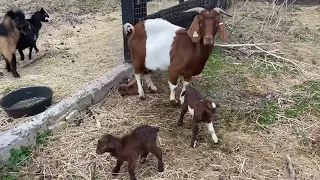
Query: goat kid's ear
194, 30
11, 14
42, 10
223, 33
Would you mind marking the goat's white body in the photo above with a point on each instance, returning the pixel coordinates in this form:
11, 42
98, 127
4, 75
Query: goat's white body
160, 35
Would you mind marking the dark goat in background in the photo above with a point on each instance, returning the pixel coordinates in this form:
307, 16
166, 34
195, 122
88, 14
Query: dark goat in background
29, 40
140, 142
13, 24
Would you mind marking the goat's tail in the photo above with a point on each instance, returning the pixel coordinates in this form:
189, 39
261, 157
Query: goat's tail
128, 29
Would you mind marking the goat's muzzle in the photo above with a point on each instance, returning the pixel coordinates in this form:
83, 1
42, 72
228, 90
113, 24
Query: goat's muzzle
208, 40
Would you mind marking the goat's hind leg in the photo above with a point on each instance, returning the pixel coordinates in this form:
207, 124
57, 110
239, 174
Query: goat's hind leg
144, 157
140, 89
151, 86
158, 153
14, 66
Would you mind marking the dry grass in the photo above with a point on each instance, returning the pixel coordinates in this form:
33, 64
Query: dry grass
247, 149
243, 152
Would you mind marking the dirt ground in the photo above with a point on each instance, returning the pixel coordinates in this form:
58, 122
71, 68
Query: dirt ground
269, 110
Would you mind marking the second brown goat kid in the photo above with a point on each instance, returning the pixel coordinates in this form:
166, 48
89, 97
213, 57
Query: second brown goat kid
202, 110
140, 142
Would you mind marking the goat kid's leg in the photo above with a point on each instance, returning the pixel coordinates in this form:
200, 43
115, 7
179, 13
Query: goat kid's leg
35, 47
158, 153
21, 54
140, 89
182, 113
8, 68
131, 168
195, 131
116, 169
144, 157
212, 132
151, 86
14, 66
30, 52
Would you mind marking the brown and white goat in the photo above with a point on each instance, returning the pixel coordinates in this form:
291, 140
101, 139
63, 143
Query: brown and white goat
156, 44
13, 24
202, 110
140, 142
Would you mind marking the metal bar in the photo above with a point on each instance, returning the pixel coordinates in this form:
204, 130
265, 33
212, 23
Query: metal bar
127, 16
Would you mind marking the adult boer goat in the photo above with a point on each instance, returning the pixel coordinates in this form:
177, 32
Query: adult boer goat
13, 24
156, 44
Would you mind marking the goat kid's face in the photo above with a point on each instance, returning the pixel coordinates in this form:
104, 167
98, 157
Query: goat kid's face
107, 143
206, 111
205, 26
44, 16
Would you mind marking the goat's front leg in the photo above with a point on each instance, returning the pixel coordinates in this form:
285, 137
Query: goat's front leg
195, 131
212, 132
30, 52
21, 54
173, 80
151, 86
140, 89
182, 113
131, 168
116, 169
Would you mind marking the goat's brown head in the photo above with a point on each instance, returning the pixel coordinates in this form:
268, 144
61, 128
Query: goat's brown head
107, 143
18, 19
205, 25
206, 111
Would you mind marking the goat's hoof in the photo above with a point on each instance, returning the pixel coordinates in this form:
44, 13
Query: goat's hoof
152, 91
115, 173
142, 98
143, 160
16, 75
174, 103
160, 168
179, 123
194, 144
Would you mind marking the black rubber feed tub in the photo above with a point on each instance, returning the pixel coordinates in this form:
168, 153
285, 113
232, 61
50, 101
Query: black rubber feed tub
27, 101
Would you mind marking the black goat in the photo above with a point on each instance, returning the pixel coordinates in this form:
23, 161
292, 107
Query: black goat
29, 40
13, 24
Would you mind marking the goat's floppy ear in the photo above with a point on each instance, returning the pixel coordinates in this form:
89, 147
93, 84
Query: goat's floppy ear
223, 33
194, 30
132, 82
199, 110
11, 14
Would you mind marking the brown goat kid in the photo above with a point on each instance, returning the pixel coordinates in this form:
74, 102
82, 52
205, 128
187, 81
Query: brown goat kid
13, 24
140, 142
156, 44
129, 89
202, 110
